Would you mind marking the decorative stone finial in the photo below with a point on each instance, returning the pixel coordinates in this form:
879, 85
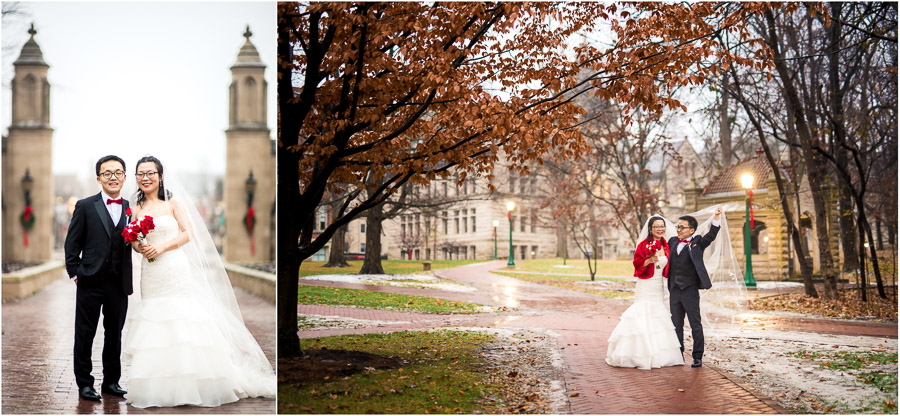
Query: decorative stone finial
31, 31
248, 33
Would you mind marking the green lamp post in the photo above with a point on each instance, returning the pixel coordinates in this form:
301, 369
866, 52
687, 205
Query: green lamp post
747, 183
496, 224
510, 206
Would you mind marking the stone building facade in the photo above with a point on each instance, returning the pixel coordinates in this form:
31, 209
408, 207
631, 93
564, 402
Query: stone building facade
461, 225
773, 253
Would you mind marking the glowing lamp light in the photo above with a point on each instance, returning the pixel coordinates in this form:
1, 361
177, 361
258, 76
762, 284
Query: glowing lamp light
496, 223
510, 206
747, 181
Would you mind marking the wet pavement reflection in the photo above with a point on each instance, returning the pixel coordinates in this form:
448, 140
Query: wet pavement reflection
37, 372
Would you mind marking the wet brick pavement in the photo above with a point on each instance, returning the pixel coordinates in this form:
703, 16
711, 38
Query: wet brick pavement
584, 323
37, 357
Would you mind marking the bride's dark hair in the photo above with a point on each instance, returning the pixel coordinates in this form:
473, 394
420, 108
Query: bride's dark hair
650, 227
163, 193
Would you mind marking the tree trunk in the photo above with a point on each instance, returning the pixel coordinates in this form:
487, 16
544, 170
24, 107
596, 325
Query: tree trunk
562, 242
814, 171
875, 268
878, 233
724, 123
336, 257
289, 226
372, 262
848, 226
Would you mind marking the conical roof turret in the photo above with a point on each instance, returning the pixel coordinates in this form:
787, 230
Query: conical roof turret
248, 56
31, 52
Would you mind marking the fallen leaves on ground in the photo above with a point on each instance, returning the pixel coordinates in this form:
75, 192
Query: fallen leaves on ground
849, 306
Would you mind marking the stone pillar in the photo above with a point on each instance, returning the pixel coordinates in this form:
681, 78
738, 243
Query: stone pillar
28, 148
248, 150
691, 196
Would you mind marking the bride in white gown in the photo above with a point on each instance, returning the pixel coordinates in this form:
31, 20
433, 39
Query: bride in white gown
645, 337
185, 342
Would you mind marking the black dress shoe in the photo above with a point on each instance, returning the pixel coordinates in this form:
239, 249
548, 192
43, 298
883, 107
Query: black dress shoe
113, 388
88, 393
697, 362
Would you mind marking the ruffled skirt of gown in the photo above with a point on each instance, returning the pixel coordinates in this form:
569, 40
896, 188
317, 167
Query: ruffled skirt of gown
176, 349
645, 336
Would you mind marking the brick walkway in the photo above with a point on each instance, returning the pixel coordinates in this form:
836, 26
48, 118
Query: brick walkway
37, 357
584, 323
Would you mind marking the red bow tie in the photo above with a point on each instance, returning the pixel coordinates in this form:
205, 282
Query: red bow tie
684, 241
114, 201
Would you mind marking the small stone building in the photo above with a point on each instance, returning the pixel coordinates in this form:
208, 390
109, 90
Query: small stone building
774, 256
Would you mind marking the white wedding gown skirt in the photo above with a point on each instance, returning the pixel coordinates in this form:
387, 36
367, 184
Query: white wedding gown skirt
645, 336
180, 352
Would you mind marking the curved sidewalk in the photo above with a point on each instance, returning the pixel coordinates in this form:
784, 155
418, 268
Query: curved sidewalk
37, 357
583, 323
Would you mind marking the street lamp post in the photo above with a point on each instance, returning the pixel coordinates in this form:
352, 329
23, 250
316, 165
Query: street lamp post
747, 183
496, 224
27, 183
510, 206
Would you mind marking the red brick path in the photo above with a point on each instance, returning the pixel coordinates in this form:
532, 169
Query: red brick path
584, 323
37, 357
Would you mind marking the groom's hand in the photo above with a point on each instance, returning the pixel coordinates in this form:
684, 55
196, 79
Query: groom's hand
718, 211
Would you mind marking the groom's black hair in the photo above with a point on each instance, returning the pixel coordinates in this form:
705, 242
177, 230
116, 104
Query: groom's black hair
692, 222
105, 159
650, 226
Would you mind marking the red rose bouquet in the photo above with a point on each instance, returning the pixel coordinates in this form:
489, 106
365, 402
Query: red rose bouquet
138, 231
655, 246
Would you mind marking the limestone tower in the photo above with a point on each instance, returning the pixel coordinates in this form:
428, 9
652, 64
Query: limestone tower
250, 163
27, 173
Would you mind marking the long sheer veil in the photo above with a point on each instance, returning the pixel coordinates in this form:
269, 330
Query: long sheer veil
726, 298
212, 290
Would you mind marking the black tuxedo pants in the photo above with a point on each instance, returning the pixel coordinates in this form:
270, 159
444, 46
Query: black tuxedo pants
91, 297
682, 302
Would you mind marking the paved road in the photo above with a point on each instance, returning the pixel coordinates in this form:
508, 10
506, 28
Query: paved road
37, 357
584, 323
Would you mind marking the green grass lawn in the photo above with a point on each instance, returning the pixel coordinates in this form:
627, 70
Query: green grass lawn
604, 267
445, 374
312, 268
317, 295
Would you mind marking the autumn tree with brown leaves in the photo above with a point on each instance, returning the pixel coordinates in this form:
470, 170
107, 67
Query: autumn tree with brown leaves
404, 91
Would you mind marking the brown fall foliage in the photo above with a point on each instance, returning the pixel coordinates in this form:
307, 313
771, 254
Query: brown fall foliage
384, 94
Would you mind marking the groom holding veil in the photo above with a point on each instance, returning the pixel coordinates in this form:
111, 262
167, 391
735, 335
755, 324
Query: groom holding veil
686, 275
100, 264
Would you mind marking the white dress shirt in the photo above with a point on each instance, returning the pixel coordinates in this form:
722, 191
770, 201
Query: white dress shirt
715, 223
115, 210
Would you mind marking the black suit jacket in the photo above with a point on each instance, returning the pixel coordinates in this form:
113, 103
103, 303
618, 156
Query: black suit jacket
697, 246
89, 241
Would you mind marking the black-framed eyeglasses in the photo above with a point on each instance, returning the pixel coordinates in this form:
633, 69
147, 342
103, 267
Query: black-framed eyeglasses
659, 227
149, 175
107, 174
681, 227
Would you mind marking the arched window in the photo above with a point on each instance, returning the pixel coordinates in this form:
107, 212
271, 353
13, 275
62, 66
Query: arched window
251, 99
29, 97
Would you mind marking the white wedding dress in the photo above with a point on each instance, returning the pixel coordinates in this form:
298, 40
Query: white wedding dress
182, 348
645, 336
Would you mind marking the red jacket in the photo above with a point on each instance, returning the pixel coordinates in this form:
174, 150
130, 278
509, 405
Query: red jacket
644, 250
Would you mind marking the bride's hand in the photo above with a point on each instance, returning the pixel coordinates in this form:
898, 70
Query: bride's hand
150, 252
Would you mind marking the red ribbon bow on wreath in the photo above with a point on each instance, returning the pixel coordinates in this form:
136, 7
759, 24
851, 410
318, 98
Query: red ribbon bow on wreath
27, 220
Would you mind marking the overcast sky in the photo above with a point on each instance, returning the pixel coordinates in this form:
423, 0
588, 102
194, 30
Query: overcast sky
140, 78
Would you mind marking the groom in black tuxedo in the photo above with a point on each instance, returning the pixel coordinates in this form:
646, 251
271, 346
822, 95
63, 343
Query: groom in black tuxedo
99, 262
687, 274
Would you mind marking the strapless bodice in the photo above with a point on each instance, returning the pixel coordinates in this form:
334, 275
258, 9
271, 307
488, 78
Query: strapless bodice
166, 228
